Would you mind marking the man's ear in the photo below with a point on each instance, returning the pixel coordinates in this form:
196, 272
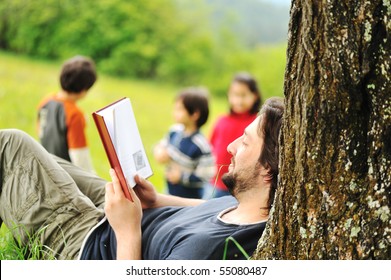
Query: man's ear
265, 173
268, 178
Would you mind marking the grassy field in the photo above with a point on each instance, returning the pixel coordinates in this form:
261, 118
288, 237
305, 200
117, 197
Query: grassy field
24, 81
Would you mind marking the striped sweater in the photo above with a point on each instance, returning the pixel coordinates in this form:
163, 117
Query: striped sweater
193, 154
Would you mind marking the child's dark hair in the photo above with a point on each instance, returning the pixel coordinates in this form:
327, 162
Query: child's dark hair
251, 83
78, 74
195, 99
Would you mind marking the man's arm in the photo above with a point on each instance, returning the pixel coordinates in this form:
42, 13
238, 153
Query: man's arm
151, 199
124, 217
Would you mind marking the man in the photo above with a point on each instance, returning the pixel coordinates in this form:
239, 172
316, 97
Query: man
38, 193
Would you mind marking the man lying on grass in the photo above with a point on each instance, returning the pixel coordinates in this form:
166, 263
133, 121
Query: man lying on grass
79, 215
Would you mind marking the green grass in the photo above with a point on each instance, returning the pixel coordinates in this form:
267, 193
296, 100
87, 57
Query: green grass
24, 81
14, 249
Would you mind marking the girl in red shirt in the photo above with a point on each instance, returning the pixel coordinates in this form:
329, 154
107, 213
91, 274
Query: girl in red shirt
244, 98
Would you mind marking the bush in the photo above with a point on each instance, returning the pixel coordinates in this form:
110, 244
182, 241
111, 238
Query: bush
137, 39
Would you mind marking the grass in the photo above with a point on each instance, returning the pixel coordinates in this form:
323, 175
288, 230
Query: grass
25, 81
13, 249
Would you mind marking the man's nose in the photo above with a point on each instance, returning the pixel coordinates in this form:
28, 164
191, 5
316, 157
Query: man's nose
231, 148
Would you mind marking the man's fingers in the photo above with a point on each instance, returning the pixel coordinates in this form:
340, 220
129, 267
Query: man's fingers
109, 191
138, 179
141, 181
109, 187
114, 179
113, 175
117, 189
134, 195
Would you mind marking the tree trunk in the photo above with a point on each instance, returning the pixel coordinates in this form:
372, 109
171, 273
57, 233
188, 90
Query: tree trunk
333, 198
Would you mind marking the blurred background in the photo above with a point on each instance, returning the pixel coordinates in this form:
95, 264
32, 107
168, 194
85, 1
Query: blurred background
145, 50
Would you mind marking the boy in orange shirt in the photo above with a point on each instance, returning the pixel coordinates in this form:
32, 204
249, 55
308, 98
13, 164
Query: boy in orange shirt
61, 123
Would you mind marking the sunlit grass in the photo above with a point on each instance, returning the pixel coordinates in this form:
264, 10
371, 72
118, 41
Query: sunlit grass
13, 249
23, 82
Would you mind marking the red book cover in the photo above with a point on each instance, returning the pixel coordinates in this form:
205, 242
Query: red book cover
110, 151
122, 142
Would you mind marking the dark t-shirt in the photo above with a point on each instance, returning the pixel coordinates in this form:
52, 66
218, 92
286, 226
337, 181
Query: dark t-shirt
53, 129
180, 233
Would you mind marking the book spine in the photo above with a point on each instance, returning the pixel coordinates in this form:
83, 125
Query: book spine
111, 153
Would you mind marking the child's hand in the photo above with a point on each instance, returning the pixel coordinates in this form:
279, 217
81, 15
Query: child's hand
160, 153
174, 174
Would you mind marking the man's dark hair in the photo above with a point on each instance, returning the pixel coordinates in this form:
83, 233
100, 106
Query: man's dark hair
272, 112
194, 100
78, 74
251, 83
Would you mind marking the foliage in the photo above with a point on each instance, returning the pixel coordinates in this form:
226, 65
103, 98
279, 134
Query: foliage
163, 40
130, 38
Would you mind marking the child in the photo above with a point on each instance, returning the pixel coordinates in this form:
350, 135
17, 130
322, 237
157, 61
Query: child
61, 124
185, 151
244, 99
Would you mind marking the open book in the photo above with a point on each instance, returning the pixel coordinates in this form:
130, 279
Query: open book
122, 142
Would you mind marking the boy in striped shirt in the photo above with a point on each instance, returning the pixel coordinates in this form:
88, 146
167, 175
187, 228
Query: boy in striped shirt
185, 151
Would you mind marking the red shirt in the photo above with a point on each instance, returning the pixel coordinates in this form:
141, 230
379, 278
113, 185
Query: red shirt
227, 129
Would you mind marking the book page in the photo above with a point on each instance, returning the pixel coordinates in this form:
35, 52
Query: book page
108, 116
128, 144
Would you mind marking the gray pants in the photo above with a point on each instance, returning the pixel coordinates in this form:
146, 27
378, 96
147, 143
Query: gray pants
41, 193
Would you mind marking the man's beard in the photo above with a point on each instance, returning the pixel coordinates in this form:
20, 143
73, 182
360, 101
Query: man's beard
240, 182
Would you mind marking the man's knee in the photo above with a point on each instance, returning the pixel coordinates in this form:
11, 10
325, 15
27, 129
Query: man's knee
15, 145
12, 135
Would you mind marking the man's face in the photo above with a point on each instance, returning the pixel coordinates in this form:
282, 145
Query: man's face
244, 169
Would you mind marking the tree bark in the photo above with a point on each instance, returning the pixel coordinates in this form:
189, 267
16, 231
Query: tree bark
333, 197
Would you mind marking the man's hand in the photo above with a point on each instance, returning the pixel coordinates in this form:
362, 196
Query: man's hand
151, 199
146, 192
125, 218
